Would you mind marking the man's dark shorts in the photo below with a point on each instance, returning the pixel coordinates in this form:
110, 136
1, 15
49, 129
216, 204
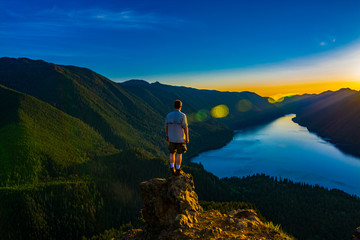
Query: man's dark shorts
177, 147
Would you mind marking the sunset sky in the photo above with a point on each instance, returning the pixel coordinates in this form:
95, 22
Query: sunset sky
271, 47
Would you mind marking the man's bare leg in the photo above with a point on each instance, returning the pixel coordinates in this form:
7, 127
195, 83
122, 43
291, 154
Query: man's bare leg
172, 159
178, 160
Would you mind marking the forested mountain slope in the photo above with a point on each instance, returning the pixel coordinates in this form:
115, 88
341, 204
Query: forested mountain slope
102, 104
38, 141
333, 115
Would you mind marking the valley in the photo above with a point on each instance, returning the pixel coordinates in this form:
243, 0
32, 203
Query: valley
75, 146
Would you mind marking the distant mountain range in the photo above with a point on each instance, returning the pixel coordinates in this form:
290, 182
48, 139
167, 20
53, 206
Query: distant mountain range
74, 145
334, 115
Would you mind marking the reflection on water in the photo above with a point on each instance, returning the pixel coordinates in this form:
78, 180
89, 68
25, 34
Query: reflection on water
285, 149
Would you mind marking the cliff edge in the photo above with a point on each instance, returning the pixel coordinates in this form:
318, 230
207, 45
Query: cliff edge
172, 211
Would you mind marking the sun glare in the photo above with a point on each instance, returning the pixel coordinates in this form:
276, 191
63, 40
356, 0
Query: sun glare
220, 111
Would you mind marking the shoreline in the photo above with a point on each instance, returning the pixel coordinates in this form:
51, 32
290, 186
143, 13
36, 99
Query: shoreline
190, 162
348, 149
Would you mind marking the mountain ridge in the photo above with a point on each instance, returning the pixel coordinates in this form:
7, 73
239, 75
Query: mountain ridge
116, 110
92, 98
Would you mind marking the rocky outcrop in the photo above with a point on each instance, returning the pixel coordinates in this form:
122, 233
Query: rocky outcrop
172, 211
356, 235
169, 203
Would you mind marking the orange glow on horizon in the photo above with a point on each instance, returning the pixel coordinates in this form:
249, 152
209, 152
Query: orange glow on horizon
330, 70
278, 91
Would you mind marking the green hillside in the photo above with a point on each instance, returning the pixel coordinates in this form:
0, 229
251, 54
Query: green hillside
39, 142
59, 178
88, 96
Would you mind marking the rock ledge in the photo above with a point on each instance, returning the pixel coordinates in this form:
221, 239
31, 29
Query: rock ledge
172, 211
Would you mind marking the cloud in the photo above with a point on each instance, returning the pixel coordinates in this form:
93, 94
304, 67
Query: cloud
329, 41
95, 18
67, 32
117, 17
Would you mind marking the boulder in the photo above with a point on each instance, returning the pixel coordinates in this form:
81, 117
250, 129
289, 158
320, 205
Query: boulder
169, 203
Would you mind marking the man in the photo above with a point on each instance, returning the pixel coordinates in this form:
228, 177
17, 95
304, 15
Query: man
177, 134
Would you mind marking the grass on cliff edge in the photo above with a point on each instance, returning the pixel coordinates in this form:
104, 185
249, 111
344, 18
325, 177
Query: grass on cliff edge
226, 207
223, 207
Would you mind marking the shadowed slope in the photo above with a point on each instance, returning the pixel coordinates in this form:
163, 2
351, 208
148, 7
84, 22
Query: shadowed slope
333, 115
38, 141
86, 95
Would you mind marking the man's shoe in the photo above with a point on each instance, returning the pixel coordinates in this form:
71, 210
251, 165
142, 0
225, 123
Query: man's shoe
179, 172
172, 171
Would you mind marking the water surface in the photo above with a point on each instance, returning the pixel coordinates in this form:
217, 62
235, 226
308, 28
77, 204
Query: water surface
285, 149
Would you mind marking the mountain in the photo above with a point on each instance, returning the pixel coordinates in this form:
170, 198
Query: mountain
88, 96
39, 141
132, 113
75, 145
80, 136
334, 115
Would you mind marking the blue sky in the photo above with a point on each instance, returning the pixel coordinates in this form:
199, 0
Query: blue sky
179, 42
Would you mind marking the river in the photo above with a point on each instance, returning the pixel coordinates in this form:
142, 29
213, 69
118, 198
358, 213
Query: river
285, 149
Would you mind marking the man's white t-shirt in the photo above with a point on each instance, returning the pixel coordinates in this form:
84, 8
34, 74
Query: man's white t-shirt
175, 122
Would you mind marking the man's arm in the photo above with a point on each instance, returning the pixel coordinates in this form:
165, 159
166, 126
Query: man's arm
167, 134
185, 129
186, 132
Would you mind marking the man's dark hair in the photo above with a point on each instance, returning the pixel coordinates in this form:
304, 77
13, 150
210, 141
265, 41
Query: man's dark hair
177, 104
